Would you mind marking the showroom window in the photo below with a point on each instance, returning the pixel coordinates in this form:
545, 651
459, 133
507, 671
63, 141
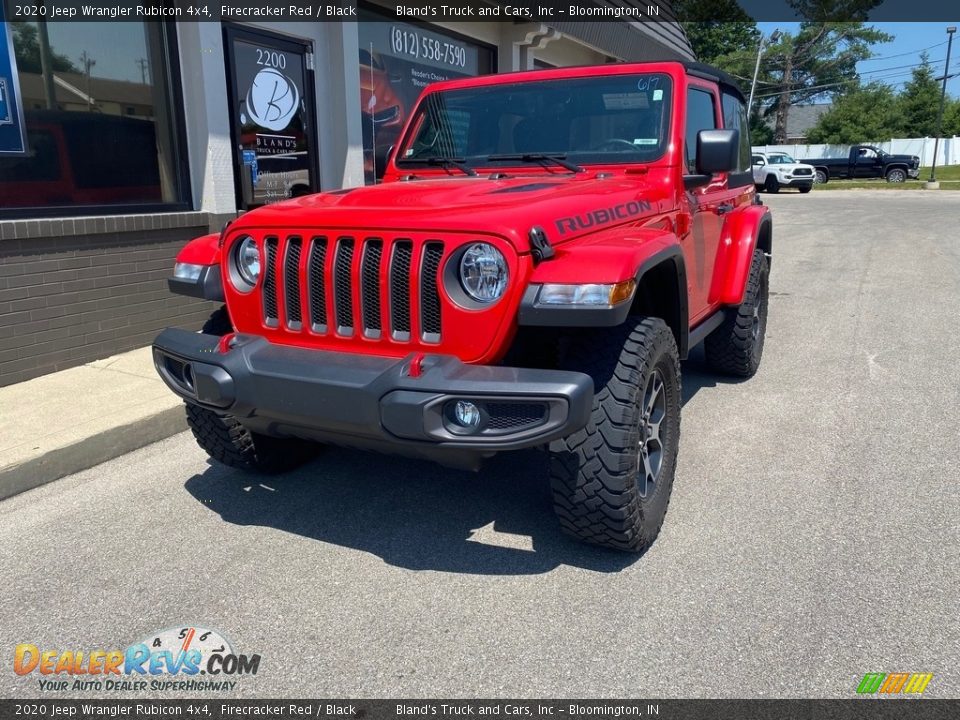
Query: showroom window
102, 136
398, 60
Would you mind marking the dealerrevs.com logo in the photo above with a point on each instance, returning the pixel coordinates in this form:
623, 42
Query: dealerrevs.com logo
894, 683
178, 659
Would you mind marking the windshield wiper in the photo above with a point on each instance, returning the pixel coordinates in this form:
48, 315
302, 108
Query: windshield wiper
444, 162
542, 158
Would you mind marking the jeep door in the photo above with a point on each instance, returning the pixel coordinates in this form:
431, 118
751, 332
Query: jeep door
708, 203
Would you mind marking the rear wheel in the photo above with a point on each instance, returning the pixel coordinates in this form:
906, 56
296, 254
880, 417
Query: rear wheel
225, 440
772, 185
612, 480
896, 175
736, 346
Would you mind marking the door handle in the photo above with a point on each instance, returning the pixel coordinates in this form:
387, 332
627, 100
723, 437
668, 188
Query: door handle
724, 208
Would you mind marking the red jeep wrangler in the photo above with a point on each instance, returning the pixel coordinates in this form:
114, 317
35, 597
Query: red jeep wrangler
544, 250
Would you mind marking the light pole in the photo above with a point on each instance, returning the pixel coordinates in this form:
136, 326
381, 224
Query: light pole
932, 182
774, 36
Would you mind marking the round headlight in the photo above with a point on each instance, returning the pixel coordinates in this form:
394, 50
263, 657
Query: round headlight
248, 260
483, 272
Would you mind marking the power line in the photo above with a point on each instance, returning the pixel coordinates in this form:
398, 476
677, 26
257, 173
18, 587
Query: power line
826, 86
906, 70
914, 52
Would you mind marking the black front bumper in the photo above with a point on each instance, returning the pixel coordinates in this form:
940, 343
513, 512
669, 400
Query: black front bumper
370, 401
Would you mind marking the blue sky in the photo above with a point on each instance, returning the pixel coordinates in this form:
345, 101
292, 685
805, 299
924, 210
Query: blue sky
891, 61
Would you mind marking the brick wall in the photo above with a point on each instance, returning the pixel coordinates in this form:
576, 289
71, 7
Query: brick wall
68, 300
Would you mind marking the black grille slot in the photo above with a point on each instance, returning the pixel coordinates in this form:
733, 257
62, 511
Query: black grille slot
514, 416
318, 289
343, 286
291, 283
370, 286
429, 295
400, 289
270, 281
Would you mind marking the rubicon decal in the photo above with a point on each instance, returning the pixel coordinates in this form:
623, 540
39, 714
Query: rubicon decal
624, 211
185, 653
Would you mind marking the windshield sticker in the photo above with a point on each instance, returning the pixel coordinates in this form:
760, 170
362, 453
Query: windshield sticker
645, 141
625, 101
648, 83
657, 95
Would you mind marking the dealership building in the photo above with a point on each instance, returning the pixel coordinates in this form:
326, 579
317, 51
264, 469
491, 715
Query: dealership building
120, 141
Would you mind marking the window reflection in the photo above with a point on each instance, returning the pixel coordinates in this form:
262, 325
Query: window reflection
95, 100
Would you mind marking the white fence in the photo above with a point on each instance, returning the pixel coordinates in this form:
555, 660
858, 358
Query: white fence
947, 154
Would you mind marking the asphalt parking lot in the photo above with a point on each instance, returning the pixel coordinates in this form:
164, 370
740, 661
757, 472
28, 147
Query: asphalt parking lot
813, 535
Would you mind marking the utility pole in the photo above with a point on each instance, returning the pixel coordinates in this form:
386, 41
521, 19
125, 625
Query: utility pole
46, 66
142, 63
774, 36
932, 183
87, 63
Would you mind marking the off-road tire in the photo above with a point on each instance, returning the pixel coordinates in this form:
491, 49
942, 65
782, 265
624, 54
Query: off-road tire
600, 490
771, 184
805, 188
736, 346
218, 323
896, 175
227, 441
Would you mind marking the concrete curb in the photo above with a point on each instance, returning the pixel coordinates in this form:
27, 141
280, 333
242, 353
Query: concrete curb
91, 451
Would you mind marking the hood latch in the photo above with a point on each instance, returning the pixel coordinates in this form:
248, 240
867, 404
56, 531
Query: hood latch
540, 246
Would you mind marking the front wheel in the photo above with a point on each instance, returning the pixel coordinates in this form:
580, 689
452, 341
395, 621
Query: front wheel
806, 188
612, 480
820, 177
896, 175
225, 440
772, 185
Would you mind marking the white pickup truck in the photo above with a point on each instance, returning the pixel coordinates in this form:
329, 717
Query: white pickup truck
774, 170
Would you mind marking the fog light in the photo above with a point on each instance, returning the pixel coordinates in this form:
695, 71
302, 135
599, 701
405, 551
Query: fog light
466, 414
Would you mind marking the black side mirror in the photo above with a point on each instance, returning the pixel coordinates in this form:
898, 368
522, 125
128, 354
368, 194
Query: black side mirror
718, 151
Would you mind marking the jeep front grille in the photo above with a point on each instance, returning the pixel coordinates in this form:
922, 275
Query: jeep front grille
336, 281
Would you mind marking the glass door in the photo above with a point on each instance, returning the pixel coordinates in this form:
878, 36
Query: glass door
272, 116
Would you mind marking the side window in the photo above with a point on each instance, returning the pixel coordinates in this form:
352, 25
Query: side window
735, 118
700, 116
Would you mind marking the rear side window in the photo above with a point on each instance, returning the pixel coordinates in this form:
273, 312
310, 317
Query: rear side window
735, 118
700, 116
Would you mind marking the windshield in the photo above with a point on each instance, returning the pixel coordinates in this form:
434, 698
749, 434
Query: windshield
781, 159
610, 119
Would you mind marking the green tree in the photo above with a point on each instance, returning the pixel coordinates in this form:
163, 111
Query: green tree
951, 118
919, 102
717, 28
864, 114
819, 60
26, 45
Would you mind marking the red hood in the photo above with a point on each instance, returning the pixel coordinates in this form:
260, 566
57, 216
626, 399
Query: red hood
563, 206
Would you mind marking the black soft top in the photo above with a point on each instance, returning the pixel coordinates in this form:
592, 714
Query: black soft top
708, 72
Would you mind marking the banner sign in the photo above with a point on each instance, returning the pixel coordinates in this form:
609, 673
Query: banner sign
13, 140
212, 708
